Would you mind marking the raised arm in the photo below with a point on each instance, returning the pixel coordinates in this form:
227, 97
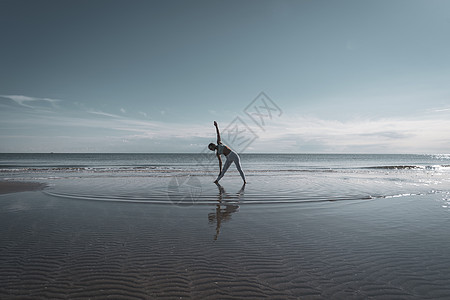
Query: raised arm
219, 141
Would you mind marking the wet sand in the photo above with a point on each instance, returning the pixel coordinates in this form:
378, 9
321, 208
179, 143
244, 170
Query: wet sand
7, 187
57, 248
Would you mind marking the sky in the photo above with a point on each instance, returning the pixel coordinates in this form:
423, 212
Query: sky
305, 76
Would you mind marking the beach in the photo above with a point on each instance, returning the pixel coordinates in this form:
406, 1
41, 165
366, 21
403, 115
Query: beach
108, 235
7, 187
221, 150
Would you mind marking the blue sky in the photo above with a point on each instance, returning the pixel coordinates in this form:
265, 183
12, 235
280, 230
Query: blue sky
151, 76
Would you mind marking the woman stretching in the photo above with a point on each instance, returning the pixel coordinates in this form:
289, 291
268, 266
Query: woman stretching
230, 154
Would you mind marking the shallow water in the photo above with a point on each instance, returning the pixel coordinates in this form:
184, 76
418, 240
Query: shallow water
186, 178
305, 226
60, 248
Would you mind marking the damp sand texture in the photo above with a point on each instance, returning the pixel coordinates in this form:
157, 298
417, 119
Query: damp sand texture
7, 187
66, 249
374, 233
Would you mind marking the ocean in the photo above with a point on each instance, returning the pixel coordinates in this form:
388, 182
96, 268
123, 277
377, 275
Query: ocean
155, 226
294, 178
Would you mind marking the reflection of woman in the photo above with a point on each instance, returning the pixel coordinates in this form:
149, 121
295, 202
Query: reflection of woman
230, 155
224, 214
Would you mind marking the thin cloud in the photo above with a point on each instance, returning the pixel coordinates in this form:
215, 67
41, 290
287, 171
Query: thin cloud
393, 135
27, 101
440, 109
88, 121
290, 133
102, 113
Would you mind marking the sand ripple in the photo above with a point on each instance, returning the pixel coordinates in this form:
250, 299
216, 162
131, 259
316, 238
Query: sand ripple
63, 248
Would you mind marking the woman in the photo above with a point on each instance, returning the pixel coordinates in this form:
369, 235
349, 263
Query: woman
230, 155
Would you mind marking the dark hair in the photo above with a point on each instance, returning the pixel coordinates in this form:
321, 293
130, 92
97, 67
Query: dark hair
211, 144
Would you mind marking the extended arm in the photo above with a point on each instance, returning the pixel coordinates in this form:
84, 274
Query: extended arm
220, 163
219, 141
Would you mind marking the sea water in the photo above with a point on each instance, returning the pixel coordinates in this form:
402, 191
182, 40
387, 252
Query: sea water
312, 226
272, 178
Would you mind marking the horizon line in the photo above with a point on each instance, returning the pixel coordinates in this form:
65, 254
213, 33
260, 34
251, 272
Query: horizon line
278, 153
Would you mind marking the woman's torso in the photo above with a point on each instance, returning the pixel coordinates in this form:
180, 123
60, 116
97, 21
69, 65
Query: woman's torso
223, 149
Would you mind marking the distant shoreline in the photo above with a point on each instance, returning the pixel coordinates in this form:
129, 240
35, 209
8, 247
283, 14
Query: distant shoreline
199, 152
